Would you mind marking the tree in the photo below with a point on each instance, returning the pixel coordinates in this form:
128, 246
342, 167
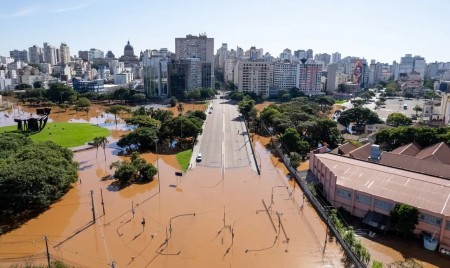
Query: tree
100, 142
404, 219
357, 103
82, 104
143, 138
33, 175
398, 119
138, 98
245, 106
37, 84
121, 94
359, 116
143, 121
60, 93
22, 86
196, 113
295, 159
180, 108
136, 170
291, 139
161, 115
418, 109
173, 101
117, 109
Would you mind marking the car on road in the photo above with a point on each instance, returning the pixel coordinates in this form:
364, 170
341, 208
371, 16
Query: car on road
199, 157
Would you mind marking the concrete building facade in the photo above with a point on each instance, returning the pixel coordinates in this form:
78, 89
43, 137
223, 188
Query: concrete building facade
254, 76
310, 75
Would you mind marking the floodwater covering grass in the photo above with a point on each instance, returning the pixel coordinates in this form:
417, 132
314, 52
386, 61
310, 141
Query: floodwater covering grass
65, 134
184, 158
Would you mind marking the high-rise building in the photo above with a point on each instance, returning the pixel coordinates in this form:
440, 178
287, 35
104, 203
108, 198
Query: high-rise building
200, 47
309, 54
21, 55
84, 55
335, 57
156, 73
331, 78
254, 76
50, 54
94, 53
221, 56
286, 54
64, 52
408, 64
310, 75
36, 54
323, 57
285, 74
432, 70
110, 55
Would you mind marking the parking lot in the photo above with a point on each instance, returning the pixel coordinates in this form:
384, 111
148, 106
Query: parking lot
392, 106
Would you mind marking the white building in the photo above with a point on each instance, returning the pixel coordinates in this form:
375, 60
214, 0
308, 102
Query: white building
228, 73
50, 54
64, 52
409, 64
286, 54
285, 74
116, 66
94, 53
123, 78
254, 76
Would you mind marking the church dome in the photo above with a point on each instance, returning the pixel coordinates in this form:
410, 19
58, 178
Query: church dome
128, 46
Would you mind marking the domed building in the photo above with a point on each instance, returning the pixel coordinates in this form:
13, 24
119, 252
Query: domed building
128, 55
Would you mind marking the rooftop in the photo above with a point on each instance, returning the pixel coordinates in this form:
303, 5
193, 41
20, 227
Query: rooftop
422, 191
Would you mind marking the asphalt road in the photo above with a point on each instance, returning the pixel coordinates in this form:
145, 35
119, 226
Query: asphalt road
224, 141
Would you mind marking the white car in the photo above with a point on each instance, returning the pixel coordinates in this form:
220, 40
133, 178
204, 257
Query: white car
199, 157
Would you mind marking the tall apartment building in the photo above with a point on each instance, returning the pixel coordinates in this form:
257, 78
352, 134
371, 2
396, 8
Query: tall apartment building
21, 55
254, 53
285, 74
50, 54
156, 73
310, 75
331, 78
309, 54
254, 76
221, 57
200, 47
323, 57
335, 57
286, 54
64, 52
84, 55
94, 53
228, 72
408, 64
300, 54
36, 54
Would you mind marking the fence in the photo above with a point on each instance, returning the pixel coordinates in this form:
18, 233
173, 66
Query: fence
315, 203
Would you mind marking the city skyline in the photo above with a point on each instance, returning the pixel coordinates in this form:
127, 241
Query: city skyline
380, 30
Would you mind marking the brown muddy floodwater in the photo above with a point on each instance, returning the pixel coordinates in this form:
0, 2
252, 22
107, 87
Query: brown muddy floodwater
206, 218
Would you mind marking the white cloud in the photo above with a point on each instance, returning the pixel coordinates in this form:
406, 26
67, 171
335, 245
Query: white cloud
21, 13
65, 9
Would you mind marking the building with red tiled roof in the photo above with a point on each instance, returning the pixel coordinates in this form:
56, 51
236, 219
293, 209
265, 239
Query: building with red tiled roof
364, 188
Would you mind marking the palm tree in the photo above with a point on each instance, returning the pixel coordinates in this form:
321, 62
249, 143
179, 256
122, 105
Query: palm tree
100, 142
117, 109
96, 143
103, 141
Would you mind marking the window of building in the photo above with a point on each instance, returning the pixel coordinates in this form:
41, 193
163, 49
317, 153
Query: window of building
363, 199
448, 225
383, 205
430, 219
344, 193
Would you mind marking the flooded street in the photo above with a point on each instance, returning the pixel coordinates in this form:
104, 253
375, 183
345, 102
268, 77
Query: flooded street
231, 226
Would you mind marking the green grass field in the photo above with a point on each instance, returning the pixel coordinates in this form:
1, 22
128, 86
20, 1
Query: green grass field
184, 158
65, 134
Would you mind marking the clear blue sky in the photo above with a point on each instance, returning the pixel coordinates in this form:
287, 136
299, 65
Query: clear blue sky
383, 30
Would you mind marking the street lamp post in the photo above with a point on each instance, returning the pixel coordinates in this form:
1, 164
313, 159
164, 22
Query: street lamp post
157, 165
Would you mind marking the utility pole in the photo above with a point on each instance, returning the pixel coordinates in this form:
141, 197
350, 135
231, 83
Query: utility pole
47, 252
93, 208
103, 203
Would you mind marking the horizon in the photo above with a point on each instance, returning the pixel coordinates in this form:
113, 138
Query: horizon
368, 30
